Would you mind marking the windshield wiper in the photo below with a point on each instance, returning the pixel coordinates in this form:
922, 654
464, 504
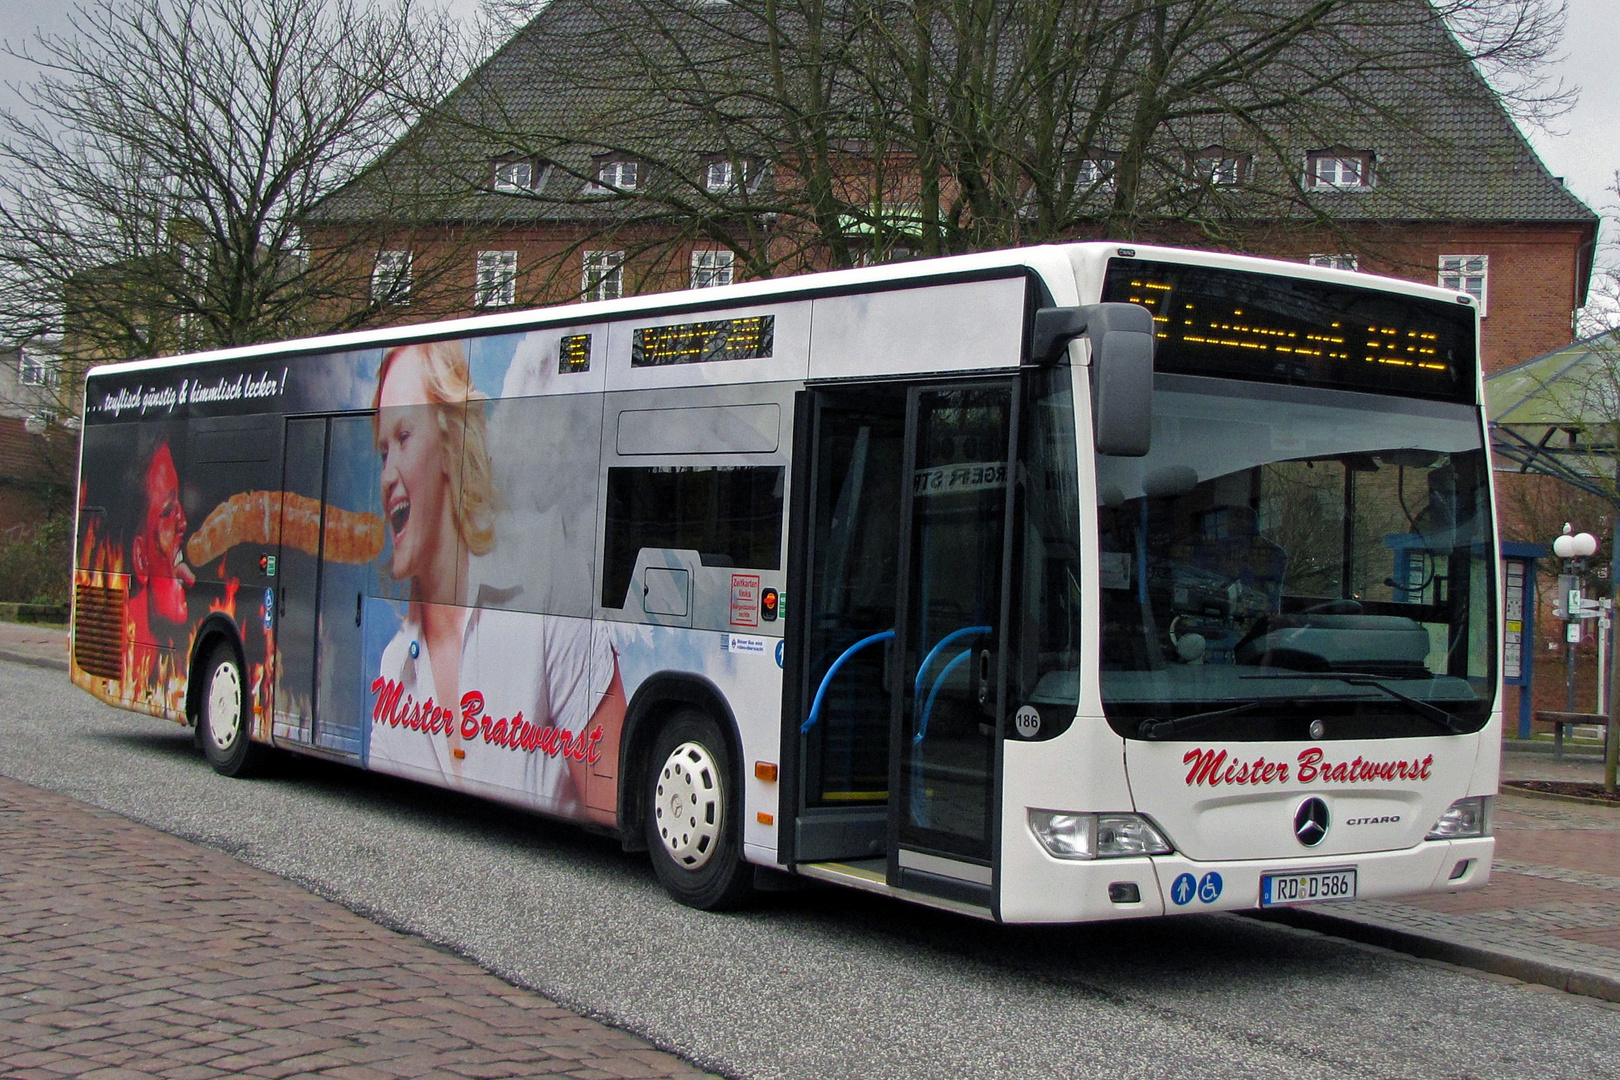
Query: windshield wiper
1158, 729
1427, 710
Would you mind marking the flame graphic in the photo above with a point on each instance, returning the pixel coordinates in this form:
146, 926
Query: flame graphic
154, 680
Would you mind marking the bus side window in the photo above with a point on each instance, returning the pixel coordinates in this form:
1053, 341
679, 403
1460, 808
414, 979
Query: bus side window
731, 515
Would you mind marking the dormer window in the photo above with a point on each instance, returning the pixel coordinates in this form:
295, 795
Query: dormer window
514, 176
1338, 170
1096, 171
721, 175
1222, 166
724, 175
615, 174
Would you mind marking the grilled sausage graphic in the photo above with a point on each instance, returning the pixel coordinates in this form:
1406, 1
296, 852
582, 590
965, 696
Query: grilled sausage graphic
269, 517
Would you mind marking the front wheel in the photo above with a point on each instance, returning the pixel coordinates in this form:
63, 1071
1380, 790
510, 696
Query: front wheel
223, 721
694, 815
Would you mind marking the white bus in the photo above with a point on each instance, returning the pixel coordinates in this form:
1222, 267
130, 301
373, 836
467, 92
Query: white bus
1048, 585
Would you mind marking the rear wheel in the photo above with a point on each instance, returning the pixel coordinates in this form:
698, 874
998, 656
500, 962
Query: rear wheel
694, 815
223, 720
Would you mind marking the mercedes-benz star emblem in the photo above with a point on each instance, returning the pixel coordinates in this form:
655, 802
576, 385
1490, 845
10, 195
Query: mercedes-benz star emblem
1311, 822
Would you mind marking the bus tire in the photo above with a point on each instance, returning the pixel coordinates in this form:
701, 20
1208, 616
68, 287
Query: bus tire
694, 815
222, 715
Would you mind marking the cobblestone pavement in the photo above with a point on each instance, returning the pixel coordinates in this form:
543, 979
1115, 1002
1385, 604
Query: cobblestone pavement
129, 953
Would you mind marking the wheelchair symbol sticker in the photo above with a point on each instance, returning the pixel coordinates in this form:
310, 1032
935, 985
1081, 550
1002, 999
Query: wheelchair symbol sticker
1206, 889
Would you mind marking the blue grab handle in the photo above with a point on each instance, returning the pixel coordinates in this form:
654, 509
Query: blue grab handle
922, 668
821, 691
939, 683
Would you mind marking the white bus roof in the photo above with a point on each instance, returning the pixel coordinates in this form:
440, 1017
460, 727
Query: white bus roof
1073, 265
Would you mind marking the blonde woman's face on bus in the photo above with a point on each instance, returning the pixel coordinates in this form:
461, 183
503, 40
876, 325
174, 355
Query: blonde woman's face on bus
415, 481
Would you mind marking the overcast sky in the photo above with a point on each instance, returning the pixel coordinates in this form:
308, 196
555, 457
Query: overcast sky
1584, 149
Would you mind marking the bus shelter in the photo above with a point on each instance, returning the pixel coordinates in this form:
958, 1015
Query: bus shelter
1558, 415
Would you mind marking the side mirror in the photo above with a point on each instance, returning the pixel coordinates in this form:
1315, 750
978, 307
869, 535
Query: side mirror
1121, 337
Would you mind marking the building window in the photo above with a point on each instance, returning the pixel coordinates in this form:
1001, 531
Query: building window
514, 176
615, 174
497, 279
1221, 166
711, 268
1465, 274
391, 278
1095, 172
869, 256
1336, 262
33, 369
1337, 170
603, 278
722, 175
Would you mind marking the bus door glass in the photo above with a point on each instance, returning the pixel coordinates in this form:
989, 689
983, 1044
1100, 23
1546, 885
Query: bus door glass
320, 582
902, 630
951, 635
854, 554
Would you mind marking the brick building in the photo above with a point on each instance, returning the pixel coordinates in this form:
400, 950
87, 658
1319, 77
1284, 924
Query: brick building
37, 452
555, 177
594, 182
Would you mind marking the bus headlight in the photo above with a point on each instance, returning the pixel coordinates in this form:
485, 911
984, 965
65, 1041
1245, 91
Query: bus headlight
1096, 836
1464, 818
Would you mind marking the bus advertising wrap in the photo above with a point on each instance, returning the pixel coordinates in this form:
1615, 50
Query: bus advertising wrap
424, 512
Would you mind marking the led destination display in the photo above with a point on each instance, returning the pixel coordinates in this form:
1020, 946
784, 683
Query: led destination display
749, 338
1211, 321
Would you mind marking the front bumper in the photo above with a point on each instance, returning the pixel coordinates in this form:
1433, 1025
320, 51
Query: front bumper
1038, 888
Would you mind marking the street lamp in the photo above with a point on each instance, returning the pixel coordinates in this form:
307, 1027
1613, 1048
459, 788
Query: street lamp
1580, 545
1575, 548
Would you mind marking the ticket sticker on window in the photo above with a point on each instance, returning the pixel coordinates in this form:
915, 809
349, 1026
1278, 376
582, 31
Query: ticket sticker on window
744, 599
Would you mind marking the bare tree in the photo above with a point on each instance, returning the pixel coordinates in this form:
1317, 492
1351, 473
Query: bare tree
153, 195
866, 127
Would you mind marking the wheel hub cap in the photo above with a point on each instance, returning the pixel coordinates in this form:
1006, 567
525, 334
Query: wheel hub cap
687, 805
224, 706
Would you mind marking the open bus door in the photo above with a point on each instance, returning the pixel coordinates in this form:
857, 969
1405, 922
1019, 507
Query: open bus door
901, 628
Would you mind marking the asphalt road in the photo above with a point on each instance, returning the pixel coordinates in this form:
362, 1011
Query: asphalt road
820, 984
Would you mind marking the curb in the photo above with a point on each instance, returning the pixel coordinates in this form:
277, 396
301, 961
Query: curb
34, 661
1509, 788
1574, 750
1524, 968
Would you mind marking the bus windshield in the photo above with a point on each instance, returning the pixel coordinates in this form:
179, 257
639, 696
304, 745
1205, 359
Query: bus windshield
1294, 563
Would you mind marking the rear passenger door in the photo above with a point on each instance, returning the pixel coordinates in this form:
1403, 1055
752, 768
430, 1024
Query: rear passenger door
327, 476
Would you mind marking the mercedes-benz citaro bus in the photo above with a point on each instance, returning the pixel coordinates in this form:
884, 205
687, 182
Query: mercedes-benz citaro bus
1048, 585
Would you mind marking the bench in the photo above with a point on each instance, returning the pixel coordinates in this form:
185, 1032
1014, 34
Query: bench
1563, 720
